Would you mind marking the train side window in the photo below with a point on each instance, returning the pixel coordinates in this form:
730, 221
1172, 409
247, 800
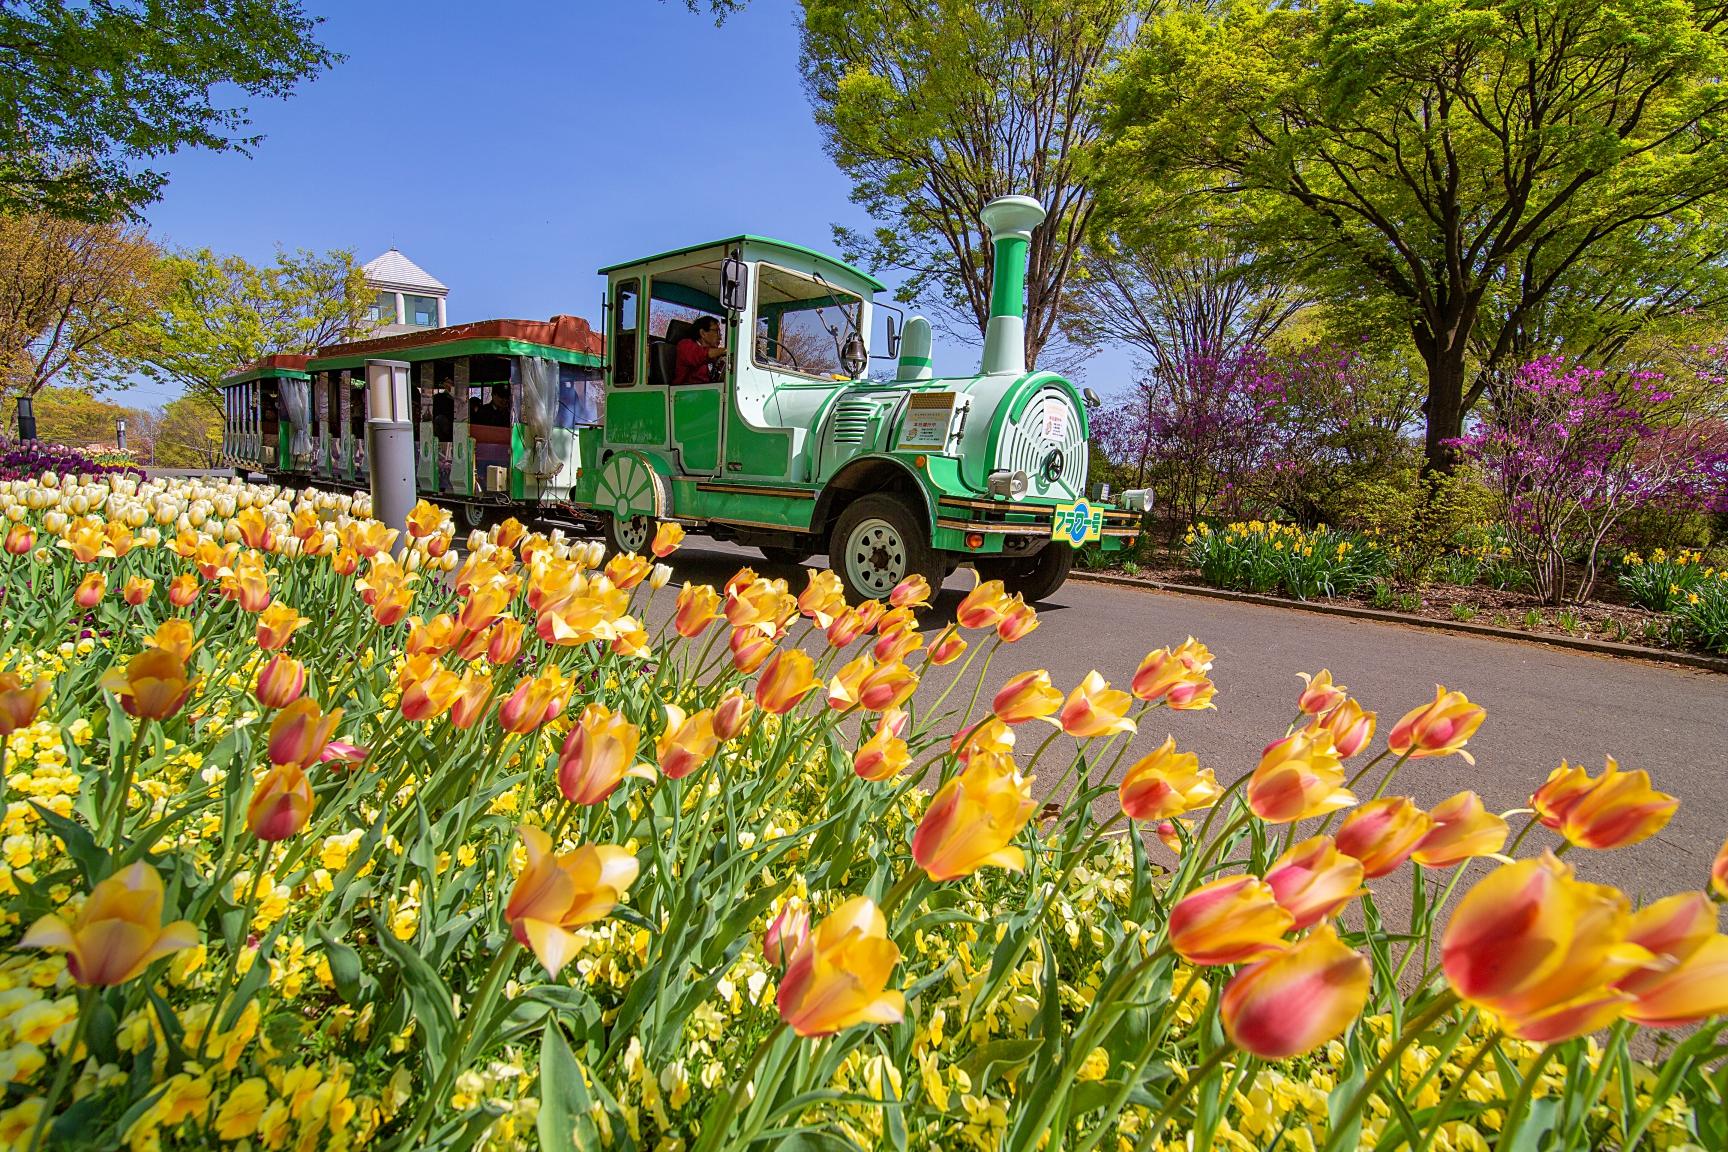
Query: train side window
625, 304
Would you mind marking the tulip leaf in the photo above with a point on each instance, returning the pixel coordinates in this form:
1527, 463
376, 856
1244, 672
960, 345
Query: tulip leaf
565, 1120
428, 996
997, 1057
254, 978
815, 1141
92, 861
345, 967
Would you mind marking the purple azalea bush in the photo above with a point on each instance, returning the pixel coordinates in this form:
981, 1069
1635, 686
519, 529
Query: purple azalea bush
1571, 450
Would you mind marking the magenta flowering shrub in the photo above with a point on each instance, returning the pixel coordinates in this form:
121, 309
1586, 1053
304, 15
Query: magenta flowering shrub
1571, 450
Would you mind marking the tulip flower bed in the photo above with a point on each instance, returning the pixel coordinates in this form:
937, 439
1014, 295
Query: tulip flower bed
307, 846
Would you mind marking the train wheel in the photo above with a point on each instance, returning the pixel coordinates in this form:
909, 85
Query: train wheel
1034, 578
630, 534
472, 516
877, 543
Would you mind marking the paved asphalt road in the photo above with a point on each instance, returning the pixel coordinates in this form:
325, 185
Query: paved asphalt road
1543, 703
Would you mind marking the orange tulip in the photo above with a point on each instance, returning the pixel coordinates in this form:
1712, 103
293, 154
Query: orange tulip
598, 753
838, 975
1542, 950
300, 731
1166, 783
973, 820
1297, 1000
1018, 620
557, 893
507, 534
846, 628
983, 606
731, 714
992, 736
431, 690
1298, 777
880, 687
761, 605
823, 598
912, 592
473, 697
281, 681
1229, 921
786, 933
1619, 809
632, 639
1351, 727
118, 933
1719, 871
686, 743
1321, 695
277, 624
749, 649
1463, 829
90, 590
368, 538
248, 585
949, 647
424, 520
1312, 881
137, 590
667, 537
697, 605
19, 703
345, 562
535, 701
1382, 833
176, 636
153, 685
626, 570
183, 590
281, 803
885, 755
1028, 696
484, 604
254, 529
786, 678
1438, 728
20, 539
1095, 709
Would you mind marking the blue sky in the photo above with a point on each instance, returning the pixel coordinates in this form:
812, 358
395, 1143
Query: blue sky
512, 149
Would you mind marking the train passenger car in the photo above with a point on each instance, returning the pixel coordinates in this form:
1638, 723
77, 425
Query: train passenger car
256, 403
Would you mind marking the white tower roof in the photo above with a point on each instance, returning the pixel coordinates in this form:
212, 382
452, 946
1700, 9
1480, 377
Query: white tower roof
394, 270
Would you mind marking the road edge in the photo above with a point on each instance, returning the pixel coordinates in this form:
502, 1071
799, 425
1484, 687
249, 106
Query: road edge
1351, 611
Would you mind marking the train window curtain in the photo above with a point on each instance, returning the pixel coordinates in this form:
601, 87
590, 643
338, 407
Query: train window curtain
536, 380
297, 404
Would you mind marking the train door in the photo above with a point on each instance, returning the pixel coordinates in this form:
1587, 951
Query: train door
691, 348
635, 400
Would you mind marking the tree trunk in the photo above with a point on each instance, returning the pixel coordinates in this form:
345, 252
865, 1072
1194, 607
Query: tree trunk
1444, 408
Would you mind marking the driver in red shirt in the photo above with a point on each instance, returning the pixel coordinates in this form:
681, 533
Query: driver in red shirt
698, 355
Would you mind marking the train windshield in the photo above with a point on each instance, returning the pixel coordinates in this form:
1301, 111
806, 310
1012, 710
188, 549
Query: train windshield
802, 322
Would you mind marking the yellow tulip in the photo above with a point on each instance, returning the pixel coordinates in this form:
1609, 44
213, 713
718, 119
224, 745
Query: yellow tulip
137, 590
1619, 809
1463, 829
118, 932
973, 820
277, 624
787, 677
598, 753
19, 703
912, 592
281, 803
534, 701
1298, 777
983, 606
1351, 727
90, 590
1312, 880
1019, 619
1719, 871
153, 685
1028, 696
667, 537
1382, 833
300, 732
697, 605
686, 742
280, 682
823, 598
885, 755
555, 894
838, 975
1438, 728
1095, 709
1297, 1000
1166, 783
1320, 695
1231, 920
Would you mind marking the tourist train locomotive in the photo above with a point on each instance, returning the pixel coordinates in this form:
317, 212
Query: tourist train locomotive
789, 448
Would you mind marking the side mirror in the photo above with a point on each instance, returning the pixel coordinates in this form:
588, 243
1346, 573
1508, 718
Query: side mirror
893, 348
732, 277
1093, 400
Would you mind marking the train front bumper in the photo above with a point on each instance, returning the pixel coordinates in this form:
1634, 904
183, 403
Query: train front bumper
1021, 527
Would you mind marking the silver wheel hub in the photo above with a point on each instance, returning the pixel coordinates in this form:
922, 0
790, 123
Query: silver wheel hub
875, 557
633, 533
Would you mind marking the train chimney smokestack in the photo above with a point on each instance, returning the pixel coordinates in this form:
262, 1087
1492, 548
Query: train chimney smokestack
915, 351
1010, 220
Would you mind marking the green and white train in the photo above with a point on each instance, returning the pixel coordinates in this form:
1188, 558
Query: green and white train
786, 445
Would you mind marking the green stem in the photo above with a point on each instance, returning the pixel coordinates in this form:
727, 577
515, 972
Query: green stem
1205, 1069
68, 1062
1443, 1004
716, 1131
1521, 1101
455, 1056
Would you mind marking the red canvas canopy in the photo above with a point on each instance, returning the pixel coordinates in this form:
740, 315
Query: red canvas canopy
568, 332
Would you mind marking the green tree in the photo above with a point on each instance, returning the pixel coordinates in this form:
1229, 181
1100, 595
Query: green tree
221, 313
79, 418
1493, 173
933, 110
92, 89
188, 434
70, 295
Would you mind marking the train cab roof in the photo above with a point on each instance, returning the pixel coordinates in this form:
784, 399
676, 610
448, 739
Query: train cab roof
757, 247
281, 364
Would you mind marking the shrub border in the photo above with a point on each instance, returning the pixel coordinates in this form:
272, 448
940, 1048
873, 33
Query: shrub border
1576, 644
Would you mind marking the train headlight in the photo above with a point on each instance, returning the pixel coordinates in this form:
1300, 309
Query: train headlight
1005, 485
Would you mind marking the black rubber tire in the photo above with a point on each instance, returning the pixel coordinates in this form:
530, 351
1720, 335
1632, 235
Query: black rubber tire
785, 557
1034, 579
615, 538
471, 516
903, 550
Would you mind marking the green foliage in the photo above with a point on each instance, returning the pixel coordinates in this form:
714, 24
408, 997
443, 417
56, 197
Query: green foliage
934, 112
92, 89
1664, 581
75, 417
1272, 557
1703, 614
222, 313
1482, 173
188, 434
